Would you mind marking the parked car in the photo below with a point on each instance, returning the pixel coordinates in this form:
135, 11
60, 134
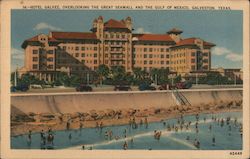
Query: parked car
122, 88
164, 87
183, 85
84, 88
144, 87
21, 87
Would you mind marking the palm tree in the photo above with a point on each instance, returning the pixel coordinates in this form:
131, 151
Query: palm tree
103, 72
137, 72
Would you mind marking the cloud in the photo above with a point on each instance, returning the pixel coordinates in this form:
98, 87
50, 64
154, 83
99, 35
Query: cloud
234, 57
228, 54
220, 51
141, 30
42, 26
17, 54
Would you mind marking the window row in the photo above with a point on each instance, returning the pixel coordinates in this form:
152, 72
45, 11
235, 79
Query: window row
77, 48
117, 35
145, 62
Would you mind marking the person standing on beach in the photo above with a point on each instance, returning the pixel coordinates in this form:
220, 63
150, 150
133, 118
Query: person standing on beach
146, 122
97, 126
101, 126
141, 122
67, 125
42, 134
125, 132
222, 122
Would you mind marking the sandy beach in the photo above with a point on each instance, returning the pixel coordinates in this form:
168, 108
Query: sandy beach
22, 123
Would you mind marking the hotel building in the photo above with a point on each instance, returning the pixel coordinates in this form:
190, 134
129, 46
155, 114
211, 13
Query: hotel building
113, 43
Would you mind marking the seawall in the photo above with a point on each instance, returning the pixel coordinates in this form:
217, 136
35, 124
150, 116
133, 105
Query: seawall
84, 102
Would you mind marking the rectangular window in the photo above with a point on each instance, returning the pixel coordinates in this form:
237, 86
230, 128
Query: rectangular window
83, 61
150, 49
95, 61
193, 53
34, 59
64, 47
35, 66
77, 54
50, 59
167, 62
162, 56
145, 49
150, 56
145, 62
162, 49
205, 61
106, 55
193, 67
50, 66
35, 51
150, 62
193, 60
145, 55
83, 48
162, 62
95, 48
77, 48
95, 55
83, 54
205, 54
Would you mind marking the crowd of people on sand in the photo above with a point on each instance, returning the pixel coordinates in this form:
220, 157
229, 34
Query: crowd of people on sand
47, 138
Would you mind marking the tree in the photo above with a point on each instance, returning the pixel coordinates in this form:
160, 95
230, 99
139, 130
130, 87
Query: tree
161, 75
118, 74
138, 72
177, 79
103, 72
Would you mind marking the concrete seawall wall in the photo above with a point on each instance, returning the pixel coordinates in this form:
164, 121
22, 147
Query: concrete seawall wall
84, 102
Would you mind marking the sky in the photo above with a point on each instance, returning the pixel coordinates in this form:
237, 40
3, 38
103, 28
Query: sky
223, 28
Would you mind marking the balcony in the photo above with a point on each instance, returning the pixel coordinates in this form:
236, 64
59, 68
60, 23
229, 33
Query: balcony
116, 45
116, 58
116, 52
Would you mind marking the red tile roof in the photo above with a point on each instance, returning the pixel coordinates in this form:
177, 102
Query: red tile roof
208, 44
175, 30
114, 24
35, 38
73, 35
191, 41
153, 37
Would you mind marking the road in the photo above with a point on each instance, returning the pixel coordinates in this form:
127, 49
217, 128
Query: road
111, 89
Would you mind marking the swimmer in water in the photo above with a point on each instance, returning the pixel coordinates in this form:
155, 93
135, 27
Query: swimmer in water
83, 147
213, 140
210, 127
70, 136
146, 122
125, 146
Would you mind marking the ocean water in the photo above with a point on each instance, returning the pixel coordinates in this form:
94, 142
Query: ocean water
143, 138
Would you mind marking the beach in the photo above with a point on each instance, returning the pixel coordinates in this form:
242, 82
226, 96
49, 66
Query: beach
35, 122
